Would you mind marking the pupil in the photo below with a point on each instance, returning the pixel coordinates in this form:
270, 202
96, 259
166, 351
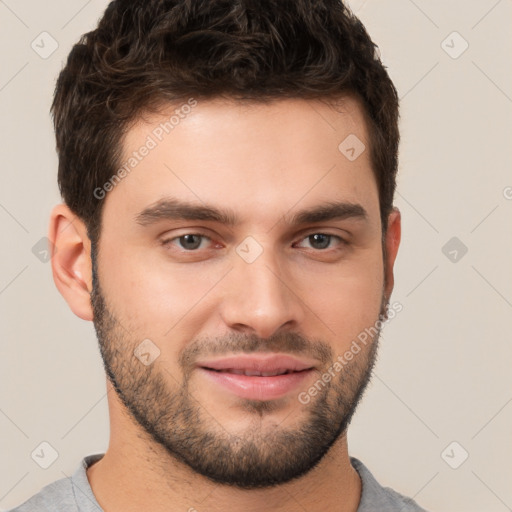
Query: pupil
187, 241
319, 240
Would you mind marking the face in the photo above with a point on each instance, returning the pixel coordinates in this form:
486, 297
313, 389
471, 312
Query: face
238, 258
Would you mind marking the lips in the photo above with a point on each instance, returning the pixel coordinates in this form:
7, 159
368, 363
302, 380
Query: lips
260, 364
255, 373
258, 376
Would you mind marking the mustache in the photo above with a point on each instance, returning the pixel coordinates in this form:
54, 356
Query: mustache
237, 343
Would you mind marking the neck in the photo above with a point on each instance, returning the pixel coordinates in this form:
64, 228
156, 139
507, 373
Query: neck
145, 477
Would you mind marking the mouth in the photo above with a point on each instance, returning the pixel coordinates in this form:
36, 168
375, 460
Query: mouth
255, 373
257, 377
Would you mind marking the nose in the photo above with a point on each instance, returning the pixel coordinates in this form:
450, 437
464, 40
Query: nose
260, 298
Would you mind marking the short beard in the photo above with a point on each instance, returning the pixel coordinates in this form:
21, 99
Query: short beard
258, 457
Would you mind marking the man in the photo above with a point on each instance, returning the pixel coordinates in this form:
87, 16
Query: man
228, 170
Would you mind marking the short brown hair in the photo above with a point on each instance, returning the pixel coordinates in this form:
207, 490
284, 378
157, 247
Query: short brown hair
148, 53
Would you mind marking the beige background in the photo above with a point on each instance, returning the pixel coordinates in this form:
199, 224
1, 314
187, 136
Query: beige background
444, 369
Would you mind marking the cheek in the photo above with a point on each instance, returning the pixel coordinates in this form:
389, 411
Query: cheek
348, 298
153, 296
161, 300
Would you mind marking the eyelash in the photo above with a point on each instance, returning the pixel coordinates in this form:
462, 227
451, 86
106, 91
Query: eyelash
169, 241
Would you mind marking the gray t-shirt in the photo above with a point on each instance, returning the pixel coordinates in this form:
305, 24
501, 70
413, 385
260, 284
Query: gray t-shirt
74, 494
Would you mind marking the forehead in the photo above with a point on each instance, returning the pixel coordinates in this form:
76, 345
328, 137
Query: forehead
256, 159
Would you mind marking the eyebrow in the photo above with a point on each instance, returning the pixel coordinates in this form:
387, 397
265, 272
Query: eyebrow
173, 209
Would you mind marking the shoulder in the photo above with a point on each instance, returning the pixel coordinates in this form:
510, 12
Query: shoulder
56, 496
69, 494
384, 499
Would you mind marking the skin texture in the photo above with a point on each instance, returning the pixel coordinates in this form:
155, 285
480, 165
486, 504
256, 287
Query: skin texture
264, 163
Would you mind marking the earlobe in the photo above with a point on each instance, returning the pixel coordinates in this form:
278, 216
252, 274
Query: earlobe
71, 261
393, 236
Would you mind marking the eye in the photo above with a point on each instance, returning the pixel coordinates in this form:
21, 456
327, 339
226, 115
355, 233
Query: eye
321, 241
188, 242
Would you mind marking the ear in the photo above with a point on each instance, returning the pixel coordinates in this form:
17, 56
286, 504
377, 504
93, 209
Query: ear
71, 260
392, 242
